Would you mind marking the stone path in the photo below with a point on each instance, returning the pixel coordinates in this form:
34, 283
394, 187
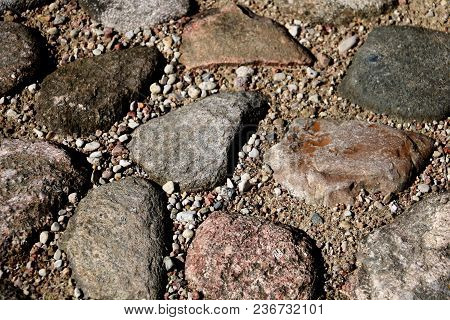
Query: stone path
207, 150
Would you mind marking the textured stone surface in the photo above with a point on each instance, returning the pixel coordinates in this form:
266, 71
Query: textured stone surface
195, 144
9, 292
327, 162
116, 241
127, 15
241, 257
21, 55
93, 93
21, 5
234, 36
333, 11
407, 259
387, 76
35, 178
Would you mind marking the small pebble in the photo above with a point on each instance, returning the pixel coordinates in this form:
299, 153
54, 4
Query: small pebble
55, 227
244, 72
316, 219
43, 237
73, 198
169, 187
168, 263
347, 44
188, 234
91, 146
278, 77
424, 188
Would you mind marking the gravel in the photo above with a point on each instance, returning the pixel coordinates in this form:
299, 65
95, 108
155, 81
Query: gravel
290, 97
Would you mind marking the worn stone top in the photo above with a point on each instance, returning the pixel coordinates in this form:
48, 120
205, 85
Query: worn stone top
328, 162
234, 35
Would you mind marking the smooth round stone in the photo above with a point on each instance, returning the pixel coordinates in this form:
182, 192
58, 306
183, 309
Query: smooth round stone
55, 227
424, 188
43, 238
244, 72
188, 234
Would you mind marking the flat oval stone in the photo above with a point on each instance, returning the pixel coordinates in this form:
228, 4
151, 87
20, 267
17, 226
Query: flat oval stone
387, 76
326, 162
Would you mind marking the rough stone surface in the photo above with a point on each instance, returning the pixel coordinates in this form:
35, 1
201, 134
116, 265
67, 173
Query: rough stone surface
334, 11
35, 178
93, 93
327, 162
387, 76
21, 5
127, 15
21, 55
241, 257
116, 241
9, 292
194, 145
407, 259
234, 35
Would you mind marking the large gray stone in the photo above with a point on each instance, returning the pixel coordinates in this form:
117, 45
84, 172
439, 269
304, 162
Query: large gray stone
116, 241
93, 93
402, 71
326, 162
409, 258
126, 15
21, 56
21, 5
333, 11
195, 144
35, 179
241, 257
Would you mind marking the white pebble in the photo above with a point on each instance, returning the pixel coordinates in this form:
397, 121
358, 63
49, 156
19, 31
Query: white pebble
55, 227
73, 197
207, 85
188, 234
193, 92
43, 237
278, 77
169, 187
155, 88
424, 188
254, 153
124, 163
347, 44
91, 146
169, 69
244, 71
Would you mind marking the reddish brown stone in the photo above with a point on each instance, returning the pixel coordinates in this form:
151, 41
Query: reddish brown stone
35, 179
234, 35
241, 257
327, 162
